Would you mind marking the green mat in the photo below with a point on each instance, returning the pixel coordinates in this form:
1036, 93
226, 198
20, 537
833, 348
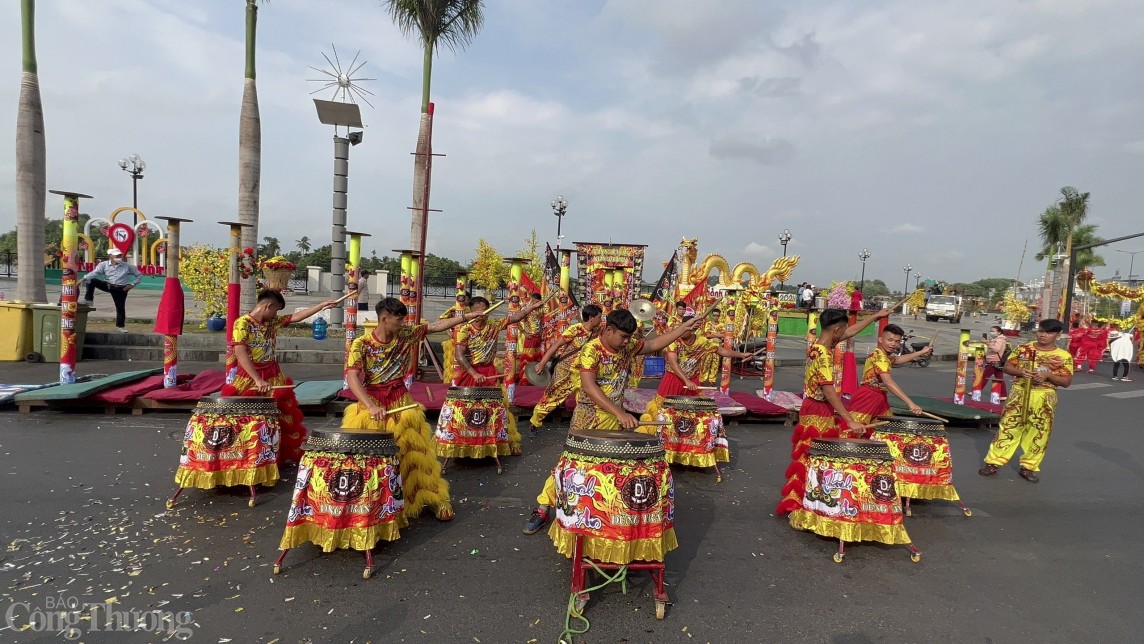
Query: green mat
317, 392
84, 389
944, 409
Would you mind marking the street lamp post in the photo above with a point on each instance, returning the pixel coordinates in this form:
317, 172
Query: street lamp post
134, 166
864, 255
784, 239
907, 269
1131, 262
559, 208
917, 281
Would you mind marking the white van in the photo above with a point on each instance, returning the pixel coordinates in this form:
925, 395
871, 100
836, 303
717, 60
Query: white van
944, 307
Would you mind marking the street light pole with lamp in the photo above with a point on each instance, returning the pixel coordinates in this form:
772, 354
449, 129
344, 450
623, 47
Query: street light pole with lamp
907, 269
134, 165
559, 208
1131, 263
784, 239
864, 255
917, 281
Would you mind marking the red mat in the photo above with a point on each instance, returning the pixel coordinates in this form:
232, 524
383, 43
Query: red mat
203, 384
983, 406
125, 394
755, 405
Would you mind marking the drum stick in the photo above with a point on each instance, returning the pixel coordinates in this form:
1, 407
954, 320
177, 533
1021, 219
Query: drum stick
934, 416
904, 300
402, 408
429, 393
344, 297
934, 338
283, 386
492, 308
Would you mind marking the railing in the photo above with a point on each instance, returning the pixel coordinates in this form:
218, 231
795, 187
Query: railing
8, 266
441, 290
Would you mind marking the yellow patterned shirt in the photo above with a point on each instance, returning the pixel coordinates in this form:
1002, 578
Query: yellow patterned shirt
1057, 361
691, 356
612, 368
482, 343
260, 339
454, 311
574, 337
877, 363
380, 362
819, 371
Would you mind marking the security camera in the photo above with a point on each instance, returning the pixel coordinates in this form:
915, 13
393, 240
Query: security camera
354, 138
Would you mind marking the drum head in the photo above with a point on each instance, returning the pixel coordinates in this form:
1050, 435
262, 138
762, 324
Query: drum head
618, 444
850, 447
913, 425
238, 405
351, 441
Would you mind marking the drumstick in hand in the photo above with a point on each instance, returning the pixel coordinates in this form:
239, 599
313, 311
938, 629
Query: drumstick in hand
934, 416
283, 386
492, 308
344, 297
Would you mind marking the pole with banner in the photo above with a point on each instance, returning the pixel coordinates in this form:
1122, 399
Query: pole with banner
233, 294
769, 363
169, 318
512, 333
962, 367
69, 285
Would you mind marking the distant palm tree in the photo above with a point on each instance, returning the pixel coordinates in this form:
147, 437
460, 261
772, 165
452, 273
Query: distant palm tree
452, 23
249, 151
31, 159
303, 244
272, 247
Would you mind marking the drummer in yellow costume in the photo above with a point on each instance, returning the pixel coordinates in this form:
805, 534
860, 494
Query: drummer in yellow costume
448, 346
375, 370
713, 331
605, 364
1027, 420
683, 359
565, 380
872, 400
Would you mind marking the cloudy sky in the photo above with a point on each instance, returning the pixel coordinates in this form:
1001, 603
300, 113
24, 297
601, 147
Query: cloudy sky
932, 133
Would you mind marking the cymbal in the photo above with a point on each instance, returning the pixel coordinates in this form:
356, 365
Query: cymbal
537, 374
642, 310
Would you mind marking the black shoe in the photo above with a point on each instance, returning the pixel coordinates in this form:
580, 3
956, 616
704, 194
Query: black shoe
1029, 475
539, 518
988, 470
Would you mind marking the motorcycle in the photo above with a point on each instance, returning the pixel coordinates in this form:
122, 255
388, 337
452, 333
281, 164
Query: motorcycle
921, 361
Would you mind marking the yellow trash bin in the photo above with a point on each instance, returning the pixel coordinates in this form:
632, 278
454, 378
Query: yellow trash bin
16, 320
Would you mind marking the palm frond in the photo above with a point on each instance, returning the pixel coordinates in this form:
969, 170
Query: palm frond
452, 23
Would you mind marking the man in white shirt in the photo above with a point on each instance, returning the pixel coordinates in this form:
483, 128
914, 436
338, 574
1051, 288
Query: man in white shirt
118, 277
808, 297
363, 291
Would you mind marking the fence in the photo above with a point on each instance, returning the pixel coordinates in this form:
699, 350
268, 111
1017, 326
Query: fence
442, 290
8, 265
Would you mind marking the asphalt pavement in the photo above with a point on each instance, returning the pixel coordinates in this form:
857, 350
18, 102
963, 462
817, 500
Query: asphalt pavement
84, 521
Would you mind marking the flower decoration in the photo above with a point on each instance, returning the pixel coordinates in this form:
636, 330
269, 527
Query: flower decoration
277, 262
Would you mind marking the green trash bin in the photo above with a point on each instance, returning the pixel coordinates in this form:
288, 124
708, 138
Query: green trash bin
46, 333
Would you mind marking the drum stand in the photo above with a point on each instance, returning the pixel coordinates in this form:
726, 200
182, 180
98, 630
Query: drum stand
175, 497
908, 512
915, 554
495, 458
581, 565
364, 575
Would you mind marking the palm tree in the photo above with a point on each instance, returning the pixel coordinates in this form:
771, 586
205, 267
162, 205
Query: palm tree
452, 23
249, 151
31, 175
303, 244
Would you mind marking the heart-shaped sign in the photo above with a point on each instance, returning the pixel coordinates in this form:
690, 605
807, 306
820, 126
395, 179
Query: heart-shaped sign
121, 236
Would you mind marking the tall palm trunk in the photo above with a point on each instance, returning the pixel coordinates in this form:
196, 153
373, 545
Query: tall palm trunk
249, 153
421, 159
31, 175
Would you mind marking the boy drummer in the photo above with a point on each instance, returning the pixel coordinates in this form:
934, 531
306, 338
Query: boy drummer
871, 400
605, 364
565, 378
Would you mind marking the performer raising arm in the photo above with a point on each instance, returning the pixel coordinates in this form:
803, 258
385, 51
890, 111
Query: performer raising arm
565, 379
476, 347
683, 359
872, 400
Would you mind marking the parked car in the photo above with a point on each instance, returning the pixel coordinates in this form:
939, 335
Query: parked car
944, 307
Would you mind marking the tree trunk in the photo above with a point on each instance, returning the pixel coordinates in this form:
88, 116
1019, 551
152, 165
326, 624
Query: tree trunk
420, 159
249, 177
30, 191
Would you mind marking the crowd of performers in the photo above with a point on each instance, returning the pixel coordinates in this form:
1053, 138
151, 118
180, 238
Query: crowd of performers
598, 359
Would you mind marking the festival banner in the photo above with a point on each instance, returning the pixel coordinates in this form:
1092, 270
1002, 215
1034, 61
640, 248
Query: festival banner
664, 290
594, 261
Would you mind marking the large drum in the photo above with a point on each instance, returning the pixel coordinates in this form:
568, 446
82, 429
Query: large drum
694, 434
923, 467
348, 493
614, 491
850, 493
230, 441
473, 423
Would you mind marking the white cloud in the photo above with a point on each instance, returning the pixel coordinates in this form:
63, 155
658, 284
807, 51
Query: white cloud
757, 249
905, 229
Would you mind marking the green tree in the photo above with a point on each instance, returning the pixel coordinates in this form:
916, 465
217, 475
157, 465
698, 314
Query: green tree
488, 269
271, 248
249, 151
533, 267
303, 244
874, 288
31, 160
454, 24
440, 270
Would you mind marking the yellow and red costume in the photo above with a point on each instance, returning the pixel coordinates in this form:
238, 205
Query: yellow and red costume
448, 347
815, 420
382, 367
691, 356
872, 399
712, 363
481, 347
260, 340
530, 345
1027, 420
566, 377
612, 369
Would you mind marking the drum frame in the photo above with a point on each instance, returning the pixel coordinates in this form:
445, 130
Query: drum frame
476, 394
581, 565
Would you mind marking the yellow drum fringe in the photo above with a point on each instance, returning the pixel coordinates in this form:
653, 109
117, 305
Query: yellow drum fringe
266, 475
722, 455
926, 491
617, 552
691, 459
420, 470
651, 414
846, 531
352, 538
473, 451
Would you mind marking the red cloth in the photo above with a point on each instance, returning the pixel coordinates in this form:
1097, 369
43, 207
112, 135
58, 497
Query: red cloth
206, 382
527, 396
671, 385
488, 370
756, 405
169, 318
124, 394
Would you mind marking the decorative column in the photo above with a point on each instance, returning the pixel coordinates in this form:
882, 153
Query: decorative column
408, 299
565, 269
512, 334
962, 367
978, 370
233, 294
811, 335
353, 270
169, 319
769, 362
338, 231
69, 289
729, 304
